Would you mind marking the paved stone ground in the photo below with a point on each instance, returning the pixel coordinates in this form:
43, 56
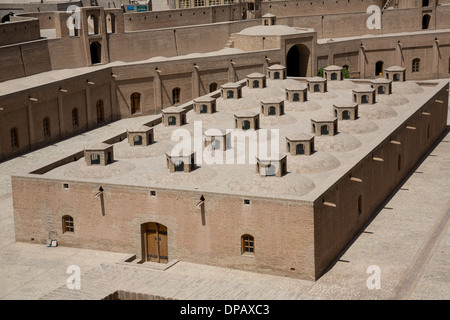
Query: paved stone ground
409, 240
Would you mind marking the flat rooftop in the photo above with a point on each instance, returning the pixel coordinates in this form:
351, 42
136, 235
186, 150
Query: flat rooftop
308, 176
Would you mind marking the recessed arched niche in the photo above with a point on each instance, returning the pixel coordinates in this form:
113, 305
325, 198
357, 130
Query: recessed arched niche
231, 90
204, 105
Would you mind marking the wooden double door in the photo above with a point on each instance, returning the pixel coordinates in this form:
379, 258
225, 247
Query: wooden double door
156, 242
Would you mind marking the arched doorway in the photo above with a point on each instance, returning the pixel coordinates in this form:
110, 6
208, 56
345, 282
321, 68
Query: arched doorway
96, 52
297, 61
155, 242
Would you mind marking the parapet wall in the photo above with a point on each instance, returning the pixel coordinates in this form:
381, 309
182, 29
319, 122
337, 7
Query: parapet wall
20, 29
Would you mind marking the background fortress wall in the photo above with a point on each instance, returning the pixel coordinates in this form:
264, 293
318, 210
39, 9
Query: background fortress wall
211, 235
335, 227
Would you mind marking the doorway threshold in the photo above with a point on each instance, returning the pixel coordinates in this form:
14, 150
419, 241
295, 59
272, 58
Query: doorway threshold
133, 261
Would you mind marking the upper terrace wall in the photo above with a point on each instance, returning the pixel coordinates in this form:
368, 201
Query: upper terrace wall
354, 24
182, 17
313, 7
16, 8
22, 53
46, 18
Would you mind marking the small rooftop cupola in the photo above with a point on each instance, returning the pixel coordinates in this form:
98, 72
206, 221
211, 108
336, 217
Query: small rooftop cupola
296, 93
99, 154
140, 136
396, 74
231, 90
181, 163
217, 139
333, 73
276, 72
324, 126
272, 107
256, 81
174, 116
204, 104
300, 144
345, 111
269, 167
269, 19
364, 96
317, 85
246, 120
382, 86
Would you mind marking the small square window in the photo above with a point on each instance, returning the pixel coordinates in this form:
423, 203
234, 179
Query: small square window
246, 201
66, 186
153, 193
